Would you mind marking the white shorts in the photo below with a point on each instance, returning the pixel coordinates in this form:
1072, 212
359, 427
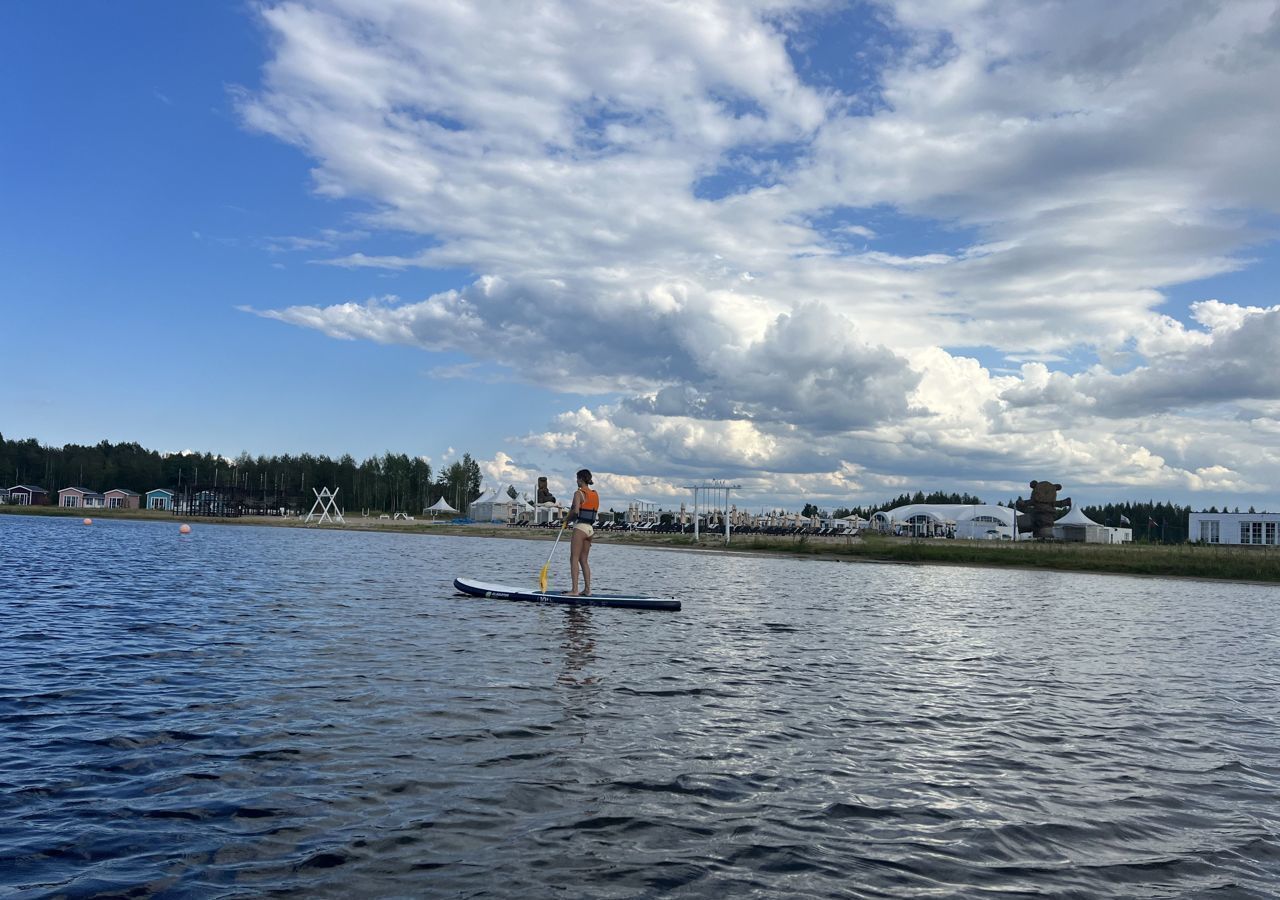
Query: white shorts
584, 528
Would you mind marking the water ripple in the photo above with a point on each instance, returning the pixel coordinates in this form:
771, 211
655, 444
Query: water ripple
245, 711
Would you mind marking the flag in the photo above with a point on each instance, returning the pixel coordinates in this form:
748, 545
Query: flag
1124, 520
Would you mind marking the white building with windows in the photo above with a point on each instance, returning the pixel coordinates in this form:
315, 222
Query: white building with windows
1235, 528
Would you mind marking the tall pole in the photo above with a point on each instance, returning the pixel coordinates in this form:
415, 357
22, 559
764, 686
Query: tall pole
726, 515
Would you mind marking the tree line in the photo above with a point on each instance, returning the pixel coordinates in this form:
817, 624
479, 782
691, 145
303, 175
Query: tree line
390, 482
398, 482
1165, 523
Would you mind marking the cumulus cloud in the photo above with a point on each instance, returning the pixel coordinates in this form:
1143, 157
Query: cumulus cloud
771, 276
501, 470
809, 369
1230, 361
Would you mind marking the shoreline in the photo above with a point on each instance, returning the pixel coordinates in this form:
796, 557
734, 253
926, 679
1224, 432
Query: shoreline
1226, 563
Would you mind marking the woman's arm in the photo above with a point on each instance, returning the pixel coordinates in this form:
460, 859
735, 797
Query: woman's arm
577, 504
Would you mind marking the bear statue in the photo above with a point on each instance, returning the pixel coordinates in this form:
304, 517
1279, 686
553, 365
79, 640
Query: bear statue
544, 495
1040, 512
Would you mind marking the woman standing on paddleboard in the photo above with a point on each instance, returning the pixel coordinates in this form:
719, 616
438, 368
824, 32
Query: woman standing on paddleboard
582, 516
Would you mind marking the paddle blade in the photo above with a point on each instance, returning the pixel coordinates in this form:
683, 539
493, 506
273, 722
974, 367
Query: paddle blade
542, 578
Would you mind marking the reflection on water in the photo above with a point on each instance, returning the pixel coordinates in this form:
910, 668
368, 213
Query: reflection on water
579, 647
246, 711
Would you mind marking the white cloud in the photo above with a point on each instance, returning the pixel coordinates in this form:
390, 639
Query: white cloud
323, 239
1233, 361
501, 470
1056, 169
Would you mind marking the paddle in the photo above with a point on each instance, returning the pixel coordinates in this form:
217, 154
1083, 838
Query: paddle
542, 576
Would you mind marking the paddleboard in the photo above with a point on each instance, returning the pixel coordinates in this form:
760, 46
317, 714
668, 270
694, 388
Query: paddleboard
505, 592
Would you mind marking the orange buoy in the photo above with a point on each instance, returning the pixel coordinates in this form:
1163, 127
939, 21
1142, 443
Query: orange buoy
88, 521
185, 529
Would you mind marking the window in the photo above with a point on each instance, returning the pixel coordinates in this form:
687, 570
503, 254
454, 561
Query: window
70, 500
1209, 531
1252, 533
921, 525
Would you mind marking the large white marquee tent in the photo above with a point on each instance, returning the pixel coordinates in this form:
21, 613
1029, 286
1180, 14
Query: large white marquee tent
498, 505
974, 521
981, 521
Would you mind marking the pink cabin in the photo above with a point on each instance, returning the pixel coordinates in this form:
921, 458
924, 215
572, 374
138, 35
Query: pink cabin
77, 497
120, 498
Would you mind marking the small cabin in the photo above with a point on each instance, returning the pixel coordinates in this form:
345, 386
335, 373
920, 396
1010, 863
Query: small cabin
28, 495
77, 497
160, 498
122, 498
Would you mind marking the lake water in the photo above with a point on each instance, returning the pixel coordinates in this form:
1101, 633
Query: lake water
245, 710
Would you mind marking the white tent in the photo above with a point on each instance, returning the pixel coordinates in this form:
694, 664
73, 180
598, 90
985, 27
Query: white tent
497, 506
440, 507
1075, 516
1076, 526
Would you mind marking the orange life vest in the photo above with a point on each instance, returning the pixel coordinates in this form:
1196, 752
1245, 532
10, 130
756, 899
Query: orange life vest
589, 506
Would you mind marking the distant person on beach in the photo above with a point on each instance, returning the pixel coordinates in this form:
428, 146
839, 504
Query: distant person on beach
582, 516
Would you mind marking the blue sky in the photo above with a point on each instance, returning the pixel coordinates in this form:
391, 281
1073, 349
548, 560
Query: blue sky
832, 251
141, 214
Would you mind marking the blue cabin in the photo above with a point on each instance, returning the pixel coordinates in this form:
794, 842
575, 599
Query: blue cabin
160, 499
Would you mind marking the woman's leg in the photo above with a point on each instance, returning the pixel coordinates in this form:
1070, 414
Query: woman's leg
575, 555
586, 569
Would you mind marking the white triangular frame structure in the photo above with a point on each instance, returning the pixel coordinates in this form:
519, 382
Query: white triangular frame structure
327, 503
